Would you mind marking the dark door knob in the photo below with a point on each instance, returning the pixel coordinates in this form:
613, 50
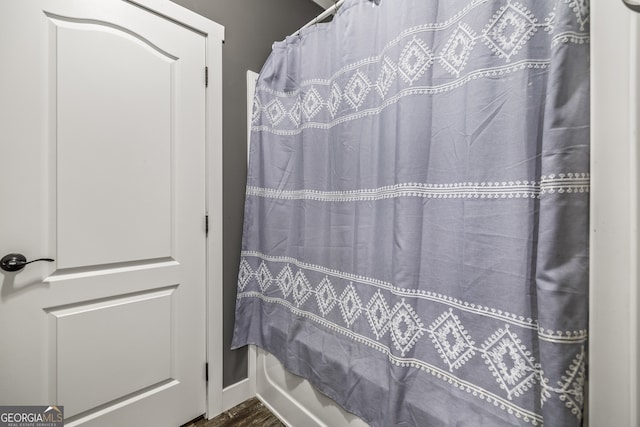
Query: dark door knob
16, 262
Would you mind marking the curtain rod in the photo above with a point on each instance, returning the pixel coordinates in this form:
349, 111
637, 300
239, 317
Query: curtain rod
320, 17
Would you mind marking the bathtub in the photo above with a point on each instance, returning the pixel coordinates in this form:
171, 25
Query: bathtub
293, 399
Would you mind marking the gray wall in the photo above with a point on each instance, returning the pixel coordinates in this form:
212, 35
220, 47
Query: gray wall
251, 26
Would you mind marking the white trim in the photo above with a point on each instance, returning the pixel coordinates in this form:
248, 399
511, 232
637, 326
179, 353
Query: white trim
634, 293
613, 343
245, 389
214, 242
237, 393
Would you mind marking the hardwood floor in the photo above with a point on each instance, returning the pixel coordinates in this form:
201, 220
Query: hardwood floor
249, 413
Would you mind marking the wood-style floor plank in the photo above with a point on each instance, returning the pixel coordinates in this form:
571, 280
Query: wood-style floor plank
251, 413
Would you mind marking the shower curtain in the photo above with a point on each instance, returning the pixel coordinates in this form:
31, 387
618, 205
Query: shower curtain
416, 224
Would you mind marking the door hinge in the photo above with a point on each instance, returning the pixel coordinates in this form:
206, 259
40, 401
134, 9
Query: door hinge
206, 372
206, 76
206, 225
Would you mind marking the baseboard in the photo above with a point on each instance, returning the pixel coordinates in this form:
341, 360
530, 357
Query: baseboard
237, 393
242, 390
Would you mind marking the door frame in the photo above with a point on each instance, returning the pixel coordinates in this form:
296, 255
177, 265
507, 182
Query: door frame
615, 206
214, 36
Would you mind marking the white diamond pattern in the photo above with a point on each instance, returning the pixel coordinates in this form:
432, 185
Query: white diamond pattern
508, 29
325, 296
264, 276
295, 114
350, 305
457, 50
378, 314
275, 112
452, 340
301, 288
386, 77
511, 27
414, 60
312, 103
357, 89
334, 99
285, 280
244, 274
510, 362
406, 327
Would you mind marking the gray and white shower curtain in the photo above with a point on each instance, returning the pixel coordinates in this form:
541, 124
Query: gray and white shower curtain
416, 223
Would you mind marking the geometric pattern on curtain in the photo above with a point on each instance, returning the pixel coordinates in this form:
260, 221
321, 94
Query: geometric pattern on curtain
416, 223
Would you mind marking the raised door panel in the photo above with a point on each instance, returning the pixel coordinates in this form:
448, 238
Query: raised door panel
114, 145
110, 349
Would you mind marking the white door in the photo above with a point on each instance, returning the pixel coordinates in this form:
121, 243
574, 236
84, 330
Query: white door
102, 168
